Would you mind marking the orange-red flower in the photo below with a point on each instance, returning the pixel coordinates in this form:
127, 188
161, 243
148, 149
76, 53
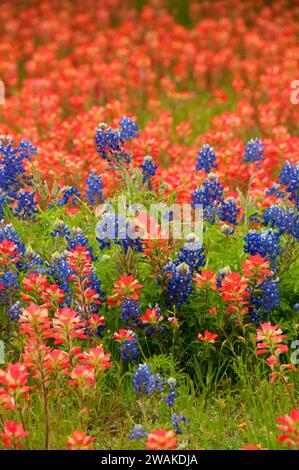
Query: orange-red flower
13, 435
79, 441
257, 267
206, 279
289, 425
127, 286
160, 439
208, 337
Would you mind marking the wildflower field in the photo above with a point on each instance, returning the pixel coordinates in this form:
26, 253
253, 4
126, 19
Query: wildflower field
149, 199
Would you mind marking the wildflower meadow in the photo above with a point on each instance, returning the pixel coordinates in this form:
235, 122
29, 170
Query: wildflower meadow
149, 225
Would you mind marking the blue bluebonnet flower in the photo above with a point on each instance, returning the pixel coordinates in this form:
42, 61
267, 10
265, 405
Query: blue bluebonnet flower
9, 286
15, 311
94, 188
192, 254
254, 151
144, 381
179, 422
95, 283
111, 142
267, 296
289, 176
61, 229
26, 205
129, 348
285, 220
206, 158
209, 195
12, 169
128, 128
130, 312
148, 170
228, 210
296, 307
180, 272
62, 273
112, 228
171, 383
276, 191
69, 193
179, 285
138, 432
266, 243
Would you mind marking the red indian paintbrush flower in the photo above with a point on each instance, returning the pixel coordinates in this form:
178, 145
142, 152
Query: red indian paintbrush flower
152, 316
96, 358
127, 286
8, 252
67, 324
123, 335
206, 279
79, 441
257, 267
160, 439
270, 337
13, 435
35, 321
208, 337
289, 425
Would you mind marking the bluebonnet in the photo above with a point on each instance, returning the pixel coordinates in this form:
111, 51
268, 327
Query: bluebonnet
62, 273
148, 170
128, 128
209, 195
266, 243
129, 348
267, 295
138, 432
9, 285
228, 210
179, 421
26, 205
179, 285
112, 228
95, 283
12, 169
285, 220
144, 381
180, 272
69, 193
275, 190
254, 151
171, 393
15, 311
61, 229
130, 312
289, 176
296, 307
206, 158
192, 253
94, 188
111, 142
